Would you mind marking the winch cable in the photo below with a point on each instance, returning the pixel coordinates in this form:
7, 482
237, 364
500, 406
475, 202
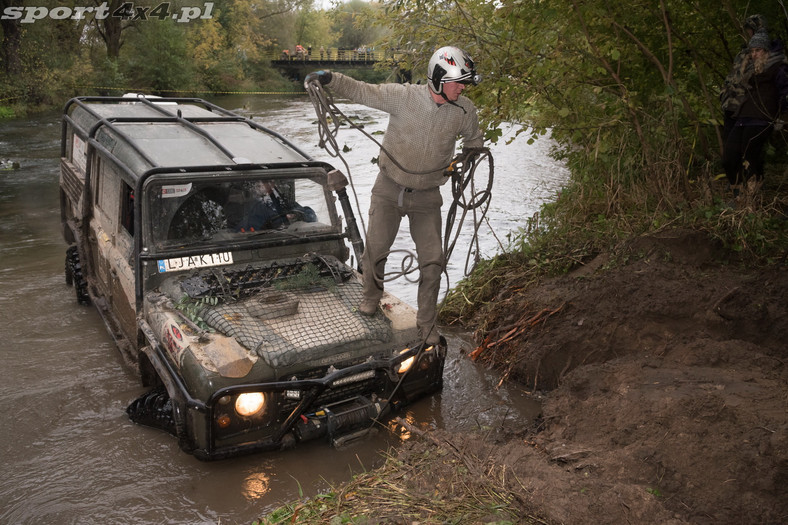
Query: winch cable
329, 118
462, 169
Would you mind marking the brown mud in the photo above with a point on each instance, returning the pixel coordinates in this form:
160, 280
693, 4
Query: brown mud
666, 392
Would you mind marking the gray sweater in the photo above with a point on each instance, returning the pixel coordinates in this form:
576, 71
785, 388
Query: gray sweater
421, 135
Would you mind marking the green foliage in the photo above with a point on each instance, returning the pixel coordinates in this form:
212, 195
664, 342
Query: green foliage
313, 28
158, 59
350, 23
53, 60
629, 93
108, 77
212, 58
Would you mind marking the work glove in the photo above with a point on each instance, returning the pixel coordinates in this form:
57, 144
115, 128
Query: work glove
463, 160
324, 77
455, 166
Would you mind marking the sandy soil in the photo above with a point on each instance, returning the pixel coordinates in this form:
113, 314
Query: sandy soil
666, 385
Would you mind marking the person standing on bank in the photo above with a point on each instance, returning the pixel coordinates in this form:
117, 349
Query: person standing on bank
763, 102
733, 90
419, 144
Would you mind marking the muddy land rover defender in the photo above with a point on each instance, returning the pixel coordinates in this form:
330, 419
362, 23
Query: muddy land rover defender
214, 250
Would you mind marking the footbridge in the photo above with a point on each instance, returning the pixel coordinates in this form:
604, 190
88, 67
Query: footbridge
305, 60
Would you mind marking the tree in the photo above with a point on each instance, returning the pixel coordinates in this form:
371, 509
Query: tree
350, 24
211, 56
157, 58
12, 38
111, 27
313, 28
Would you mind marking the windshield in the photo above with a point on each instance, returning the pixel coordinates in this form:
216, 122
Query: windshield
195, 212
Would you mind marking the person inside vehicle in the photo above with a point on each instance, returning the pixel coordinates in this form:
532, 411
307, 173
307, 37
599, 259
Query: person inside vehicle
267, 209
420, 140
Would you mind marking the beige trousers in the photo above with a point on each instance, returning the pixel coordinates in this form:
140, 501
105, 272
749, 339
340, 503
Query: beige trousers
391, 202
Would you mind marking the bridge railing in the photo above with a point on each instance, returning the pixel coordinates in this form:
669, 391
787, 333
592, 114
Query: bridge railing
331, 54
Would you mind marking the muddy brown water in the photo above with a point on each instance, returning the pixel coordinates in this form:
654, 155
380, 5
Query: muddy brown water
69, 452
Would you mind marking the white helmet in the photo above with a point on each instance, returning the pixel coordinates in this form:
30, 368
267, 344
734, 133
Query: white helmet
450, 64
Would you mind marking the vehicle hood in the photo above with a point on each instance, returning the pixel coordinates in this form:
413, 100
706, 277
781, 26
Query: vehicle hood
284, 325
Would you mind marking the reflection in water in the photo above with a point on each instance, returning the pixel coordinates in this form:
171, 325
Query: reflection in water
255, 486
400, 431
70, 454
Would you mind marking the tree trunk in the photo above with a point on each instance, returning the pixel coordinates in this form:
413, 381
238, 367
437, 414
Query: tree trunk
110, 29
12, 37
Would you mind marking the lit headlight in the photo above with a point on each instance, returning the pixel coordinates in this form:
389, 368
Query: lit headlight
406, 364
250, 403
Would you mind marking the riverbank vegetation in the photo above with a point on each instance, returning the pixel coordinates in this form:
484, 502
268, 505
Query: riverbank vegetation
629, 93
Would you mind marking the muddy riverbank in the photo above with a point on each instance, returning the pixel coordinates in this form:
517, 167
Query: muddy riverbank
667, 387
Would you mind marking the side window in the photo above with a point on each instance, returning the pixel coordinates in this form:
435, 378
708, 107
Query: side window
108, 191
96, 182
127, 208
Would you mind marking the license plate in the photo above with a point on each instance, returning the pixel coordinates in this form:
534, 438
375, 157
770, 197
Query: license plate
195, 261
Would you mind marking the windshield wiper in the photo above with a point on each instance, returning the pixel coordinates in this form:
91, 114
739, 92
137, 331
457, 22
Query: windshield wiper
260, 233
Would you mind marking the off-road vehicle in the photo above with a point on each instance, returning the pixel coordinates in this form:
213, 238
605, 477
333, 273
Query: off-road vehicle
214, 250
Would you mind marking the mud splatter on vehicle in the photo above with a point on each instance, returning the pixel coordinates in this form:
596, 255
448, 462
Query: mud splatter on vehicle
215, 252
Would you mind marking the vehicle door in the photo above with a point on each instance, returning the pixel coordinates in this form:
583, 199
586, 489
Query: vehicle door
112, 241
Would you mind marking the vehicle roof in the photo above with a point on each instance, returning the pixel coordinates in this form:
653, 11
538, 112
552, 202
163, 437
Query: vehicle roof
145, 133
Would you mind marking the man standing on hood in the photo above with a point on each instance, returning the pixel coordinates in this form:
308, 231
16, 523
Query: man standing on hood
419, 144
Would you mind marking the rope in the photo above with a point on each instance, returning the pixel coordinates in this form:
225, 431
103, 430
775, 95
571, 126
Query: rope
323, 102
464, 182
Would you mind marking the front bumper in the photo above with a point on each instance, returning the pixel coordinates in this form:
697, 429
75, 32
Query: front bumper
342, 404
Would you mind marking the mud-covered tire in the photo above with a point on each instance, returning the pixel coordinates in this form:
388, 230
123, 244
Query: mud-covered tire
75, 277
153, 409
69, 271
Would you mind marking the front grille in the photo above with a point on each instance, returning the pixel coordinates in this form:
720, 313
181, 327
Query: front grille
235, 284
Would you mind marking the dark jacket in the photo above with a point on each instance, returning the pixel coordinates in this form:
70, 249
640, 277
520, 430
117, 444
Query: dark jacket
766, 94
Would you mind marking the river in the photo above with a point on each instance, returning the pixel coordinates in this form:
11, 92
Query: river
69, 452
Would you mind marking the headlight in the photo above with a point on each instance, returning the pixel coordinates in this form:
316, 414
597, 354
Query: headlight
250, 403
406, 364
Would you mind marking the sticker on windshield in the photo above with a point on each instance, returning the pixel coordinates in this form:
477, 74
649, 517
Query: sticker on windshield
195, 261
175, 190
